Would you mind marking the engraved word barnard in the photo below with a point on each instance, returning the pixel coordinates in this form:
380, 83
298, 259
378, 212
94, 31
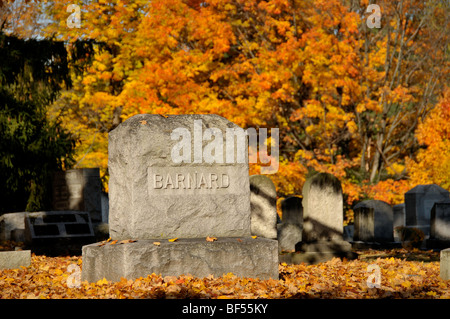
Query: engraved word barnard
191, 180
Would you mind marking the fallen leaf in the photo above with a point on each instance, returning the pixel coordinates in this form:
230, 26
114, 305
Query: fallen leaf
156, 243
239, 240
173, 239
143, 122
211, 238
254, 237
127, 241
113, 242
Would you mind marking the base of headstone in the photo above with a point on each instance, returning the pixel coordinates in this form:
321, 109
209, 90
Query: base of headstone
317, 252
15, 259
445, 264
243, 256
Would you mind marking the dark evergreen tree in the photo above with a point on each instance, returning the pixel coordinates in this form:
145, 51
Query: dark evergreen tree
32, 72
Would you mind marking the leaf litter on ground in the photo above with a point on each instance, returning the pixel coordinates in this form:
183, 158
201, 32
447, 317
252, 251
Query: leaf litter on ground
51, 277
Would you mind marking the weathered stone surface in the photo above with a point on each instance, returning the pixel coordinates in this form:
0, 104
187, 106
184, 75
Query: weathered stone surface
445, 264
292, 211
418, 203
263, 203
288, 236
364, 224
323, 217
12, 223
15, 259
440, 225
151, 195
399, 219
440, 220
290, 228
323, 221
244, 257
78, 189
381, 223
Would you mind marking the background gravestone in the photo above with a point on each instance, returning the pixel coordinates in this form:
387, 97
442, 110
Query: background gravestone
381, 221
290, 228
151, 196
78, 189
263, 203
418, 203
440, 225
323, 218
399, 219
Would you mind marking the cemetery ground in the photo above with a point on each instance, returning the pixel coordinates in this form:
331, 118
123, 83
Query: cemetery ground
404, 274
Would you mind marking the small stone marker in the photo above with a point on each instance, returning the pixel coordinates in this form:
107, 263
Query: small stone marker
290, 228
418, 203
374, 221
15, 259
263, 203
152, 196
444, 264
12, 226
323, 218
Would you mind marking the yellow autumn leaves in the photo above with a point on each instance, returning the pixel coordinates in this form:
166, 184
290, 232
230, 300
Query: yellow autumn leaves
47, 277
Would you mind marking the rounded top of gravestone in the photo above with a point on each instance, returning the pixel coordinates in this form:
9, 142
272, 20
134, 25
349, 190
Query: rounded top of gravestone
160, 122
324, 180
373, 203
260, 183
428, 188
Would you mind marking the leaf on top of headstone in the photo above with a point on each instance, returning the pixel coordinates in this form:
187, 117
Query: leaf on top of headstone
254, 237
156, 243
164, 115
113, 242
143, 122
126, 241
211, 238
173, 239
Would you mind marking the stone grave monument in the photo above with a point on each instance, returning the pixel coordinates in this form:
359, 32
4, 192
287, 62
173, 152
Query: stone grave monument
440, 225
418, 203
373, 222
290, 228
399, 219
323, 217
78, 189
179, 202
263, 206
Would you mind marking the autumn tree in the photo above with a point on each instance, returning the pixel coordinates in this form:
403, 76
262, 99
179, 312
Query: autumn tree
347, 98
432, 162
404, 63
